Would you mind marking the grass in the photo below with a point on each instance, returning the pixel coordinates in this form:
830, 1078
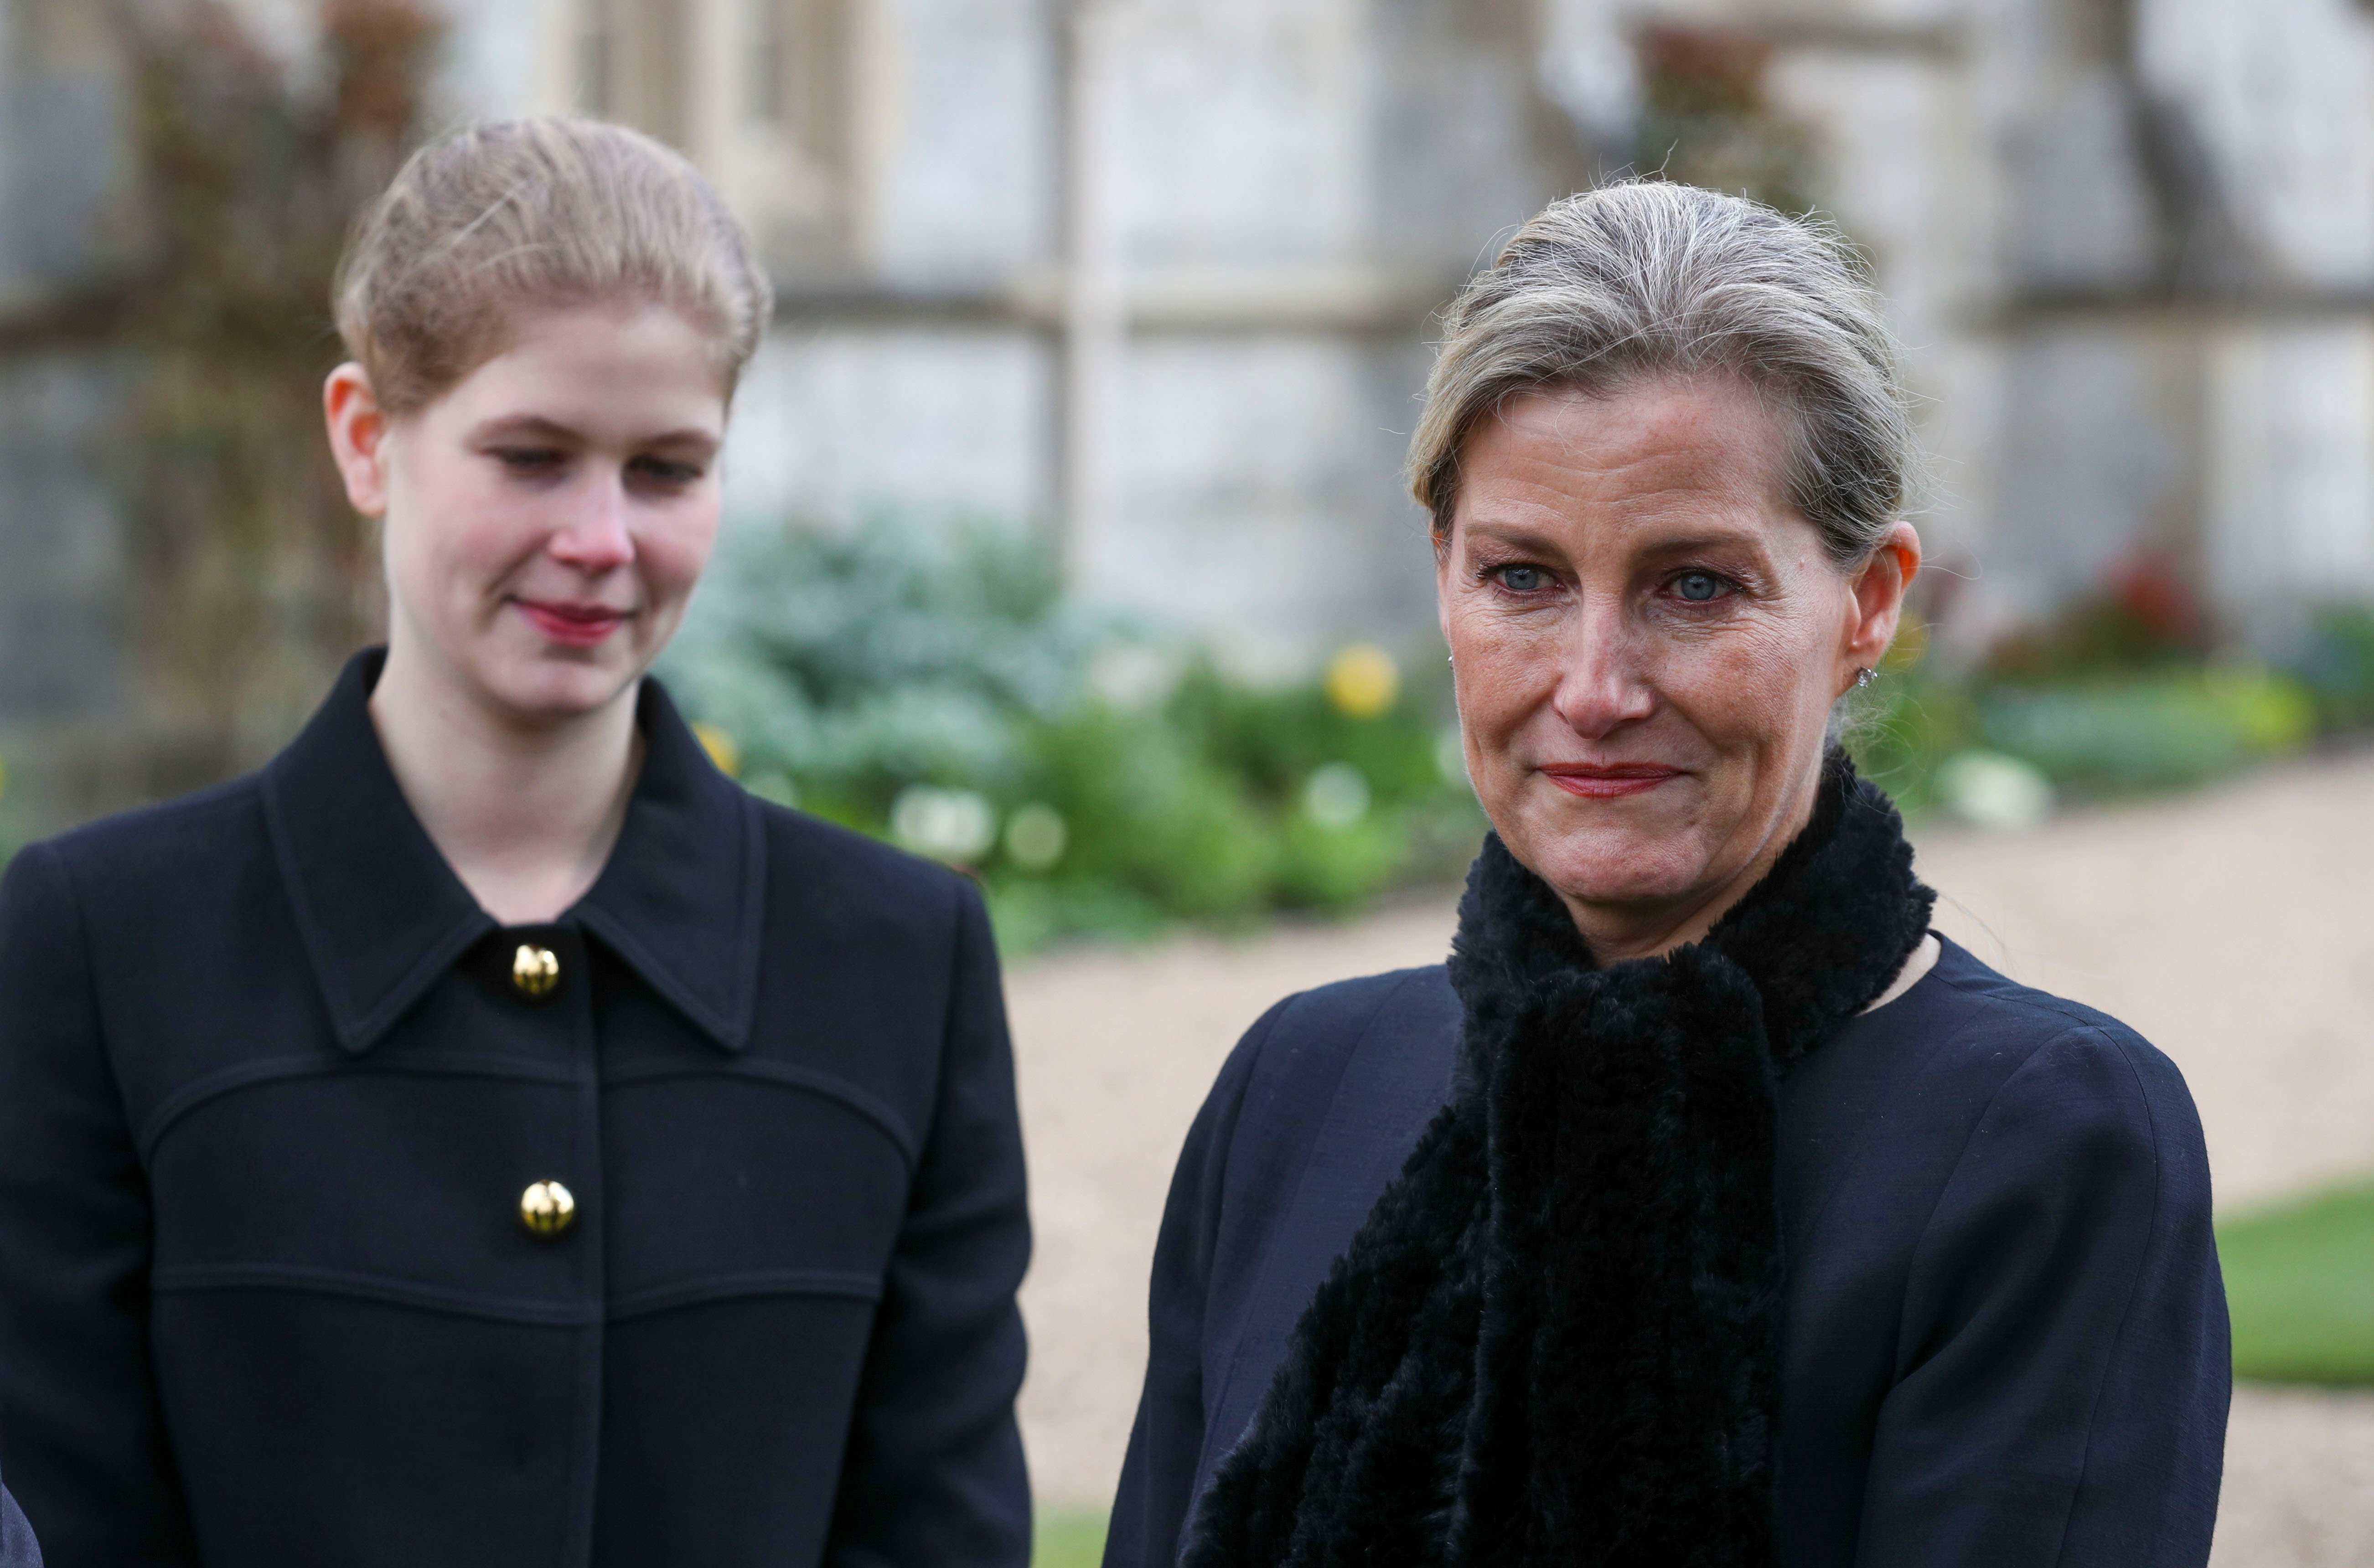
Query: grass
1069, 1541
2299, 1282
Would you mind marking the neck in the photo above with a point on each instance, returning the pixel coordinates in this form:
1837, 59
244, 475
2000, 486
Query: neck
1615, 933
527, 814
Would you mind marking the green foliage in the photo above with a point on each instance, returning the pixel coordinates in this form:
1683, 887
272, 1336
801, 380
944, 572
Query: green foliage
1910, 725
12, 823
859, 660
1068, 1540
926, 681
2299, 1283
2149, 732
254, 578
2144, 617
2135, 714
1707, 119
2336, 662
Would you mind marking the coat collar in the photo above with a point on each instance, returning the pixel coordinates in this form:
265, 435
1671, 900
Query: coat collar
382, 915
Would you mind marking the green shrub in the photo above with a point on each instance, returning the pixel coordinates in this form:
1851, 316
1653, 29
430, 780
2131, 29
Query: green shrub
1907, 732
1149, 814
2149, 731
2336, 662
2299, 1283
859, 660
926, 681
2117, 729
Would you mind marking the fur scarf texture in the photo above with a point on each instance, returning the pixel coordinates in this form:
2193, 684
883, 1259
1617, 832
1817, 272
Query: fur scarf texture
1552, 1342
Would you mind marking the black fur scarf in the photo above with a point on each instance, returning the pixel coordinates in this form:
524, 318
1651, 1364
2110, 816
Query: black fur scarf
1551, 1344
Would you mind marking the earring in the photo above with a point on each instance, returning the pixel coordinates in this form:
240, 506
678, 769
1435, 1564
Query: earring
1863, 676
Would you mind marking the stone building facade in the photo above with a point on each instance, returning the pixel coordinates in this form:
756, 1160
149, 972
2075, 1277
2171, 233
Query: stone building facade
1156, 275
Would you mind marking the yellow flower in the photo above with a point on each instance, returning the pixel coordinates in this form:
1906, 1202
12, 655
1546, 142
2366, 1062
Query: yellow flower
1363, 680
721, 748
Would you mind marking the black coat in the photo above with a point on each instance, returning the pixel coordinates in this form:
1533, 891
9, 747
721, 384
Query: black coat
2004, 1338
270, 1100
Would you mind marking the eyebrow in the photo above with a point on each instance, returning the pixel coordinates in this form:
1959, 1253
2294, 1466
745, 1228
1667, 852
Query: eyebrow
536, 425
1524, 536
1691, 544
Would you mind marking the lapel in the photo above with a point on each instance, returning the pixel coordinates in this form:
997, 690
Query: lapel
381, 916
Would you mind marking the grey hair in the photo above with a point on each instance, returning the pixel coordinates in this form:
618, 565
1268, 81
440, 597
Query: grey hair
1647, 279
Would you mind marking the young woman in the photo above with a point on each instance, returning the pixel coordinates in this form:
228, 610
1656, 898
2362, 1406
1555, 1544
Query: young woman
487, 1135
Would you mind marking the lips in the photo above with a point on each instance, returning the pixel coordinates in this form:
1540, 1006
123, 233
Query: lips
572, 624
1608, 781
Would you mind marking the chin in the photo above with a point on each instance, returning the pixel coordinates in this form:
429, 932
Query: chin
1613, 863
1645, 875
563, 687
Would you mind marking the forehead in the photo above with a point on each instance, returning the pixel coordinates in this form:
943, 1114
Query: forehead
1681, 449
596, 367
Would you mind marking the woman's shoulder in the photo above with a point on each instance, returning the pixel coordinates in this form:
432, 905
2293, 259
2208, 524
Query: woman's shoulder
861, 887
1367, 1060
1994, 1068
1310, 1036
184, 846
2002, 1027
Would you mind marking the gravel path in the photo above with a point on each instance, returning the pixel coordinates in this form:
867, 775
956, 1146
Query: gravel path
2226, 926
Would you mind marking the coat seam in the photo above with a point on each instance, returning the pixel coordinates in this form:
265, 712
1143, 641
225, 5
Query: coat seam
301, 1279
2134, 1290
99, 1014
959, 937
1962, 1155
178, 1105
786, 1075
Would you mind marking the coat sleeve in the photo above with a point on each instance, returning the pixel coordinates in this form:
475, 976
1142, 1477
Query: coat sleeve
2064, 1370
933, 1472
1158, 1477
82, 1437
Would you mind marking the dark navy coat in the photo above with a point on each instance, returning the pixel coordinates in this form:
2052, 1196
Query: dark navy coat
2005, 1338
270, 1100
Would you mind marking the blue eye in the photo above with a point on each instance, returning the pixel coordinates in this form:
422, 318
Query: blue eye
1523, 579
1699, 588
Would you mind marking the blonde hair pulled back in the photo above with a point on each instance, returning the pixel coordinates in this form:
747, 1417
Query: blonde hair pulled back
1643, 280
495, 218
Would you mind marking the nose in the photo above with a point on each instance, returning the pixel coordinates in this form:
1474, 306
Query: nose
1601, 685
593, 536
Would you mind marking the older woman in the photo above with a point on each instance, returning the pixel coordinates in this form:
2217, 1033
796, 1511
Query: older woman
1706, 1208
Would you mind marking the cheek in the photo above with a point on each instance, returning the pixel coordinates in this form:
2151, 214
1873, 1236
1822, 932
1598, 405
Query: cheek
446, 533
1752, 688
673, 549
1500, 671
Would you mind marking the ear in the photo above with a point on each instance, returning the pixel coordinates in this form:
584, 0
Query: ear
357, 438
1878, 590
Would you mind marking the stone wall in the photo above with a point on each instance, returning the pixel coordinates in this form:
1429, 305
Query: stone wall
1179, 320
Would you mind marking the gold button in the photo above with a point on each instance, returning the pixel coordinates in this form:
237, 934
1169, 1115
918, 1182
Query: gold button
547, 1207
534, 970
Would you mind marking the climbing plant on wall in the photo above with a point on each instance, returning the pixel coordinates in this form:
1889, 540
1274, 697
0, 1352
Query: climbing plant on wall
1707, 117
253, 576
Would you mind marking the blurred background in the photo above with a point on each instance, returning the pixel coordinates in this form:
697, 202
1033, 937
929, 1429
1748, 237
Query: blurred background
1066, 542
